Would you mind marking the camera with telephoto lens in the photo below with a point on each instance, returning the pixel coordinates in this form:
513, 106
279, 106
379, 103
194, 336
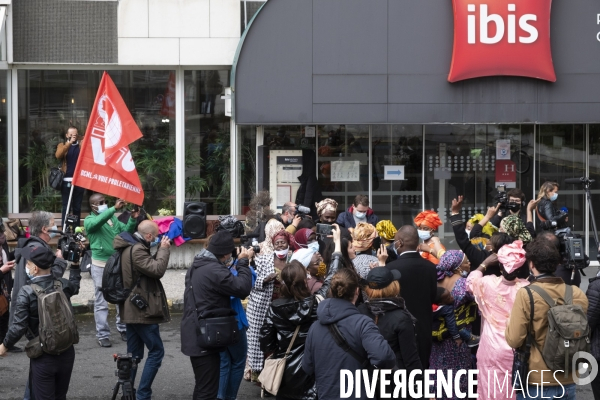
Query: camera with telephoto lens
250, 242
71, 242
571, 249
302, 211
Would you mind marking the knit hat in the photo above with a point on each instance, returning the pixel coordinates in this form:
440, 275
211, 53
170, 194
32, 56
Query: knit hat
40, 255
221, 243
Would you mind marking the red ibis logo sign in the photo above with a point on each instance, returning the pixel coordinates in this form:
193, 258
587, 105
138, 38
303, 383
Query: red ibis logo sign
501, 37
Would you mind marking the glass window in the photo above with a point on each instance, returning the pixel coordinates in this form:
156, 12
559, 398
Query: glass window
247, 163
561, 154
3, 149
207, 140
401, 146
248, 10
594, 168
343, 162
51, 101
472, 160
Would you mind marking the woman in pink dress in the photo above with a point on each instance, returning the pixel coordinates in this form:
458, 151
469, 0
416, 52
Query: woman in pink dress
495, 296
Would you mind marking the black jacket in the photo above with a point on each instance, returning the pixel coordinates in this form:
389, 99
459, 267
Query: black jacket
397, 326
283, 317
26, 306
548, 212
211, 284
474, 255
8, 279
324, 359
418, 288
58, 269
593, 314
309, 191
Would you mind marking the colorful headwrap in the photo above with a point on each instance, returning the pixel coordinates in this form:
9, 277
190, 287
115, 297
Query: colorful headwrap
326, 205
288, 238
488, 229
304, 256
512, 256
271, 229
386, 229
514, 226
448, 263
363, 235
429, 218
301, 237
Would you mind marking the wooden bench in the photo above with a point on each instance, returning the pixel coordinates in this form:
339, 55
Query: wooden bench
212, 221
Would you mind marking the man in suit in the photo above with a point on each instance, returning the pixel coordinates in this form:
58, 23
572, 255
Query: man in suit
418, 286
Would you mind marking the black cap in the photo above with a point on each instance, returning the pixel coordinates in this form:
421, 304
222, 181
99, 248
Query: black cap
381, 277
221, 243
38, 254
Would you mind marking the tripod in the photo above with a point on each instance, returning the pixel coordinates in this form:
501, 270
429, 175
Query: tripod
125, 366
587, 182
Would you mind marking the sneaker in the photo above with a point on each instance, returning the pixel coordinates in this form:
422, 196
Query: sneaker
124, 336
104, 342
473, 341
15, 349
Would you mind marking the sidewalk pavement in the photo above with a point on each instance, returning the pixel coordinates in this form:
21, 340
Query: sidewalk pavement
173, 282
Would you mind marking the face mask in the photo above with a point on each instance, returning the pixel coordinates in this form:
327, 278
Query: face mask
514, 207
322, 269
554, 197
360, 215
228, 262
468, 232
101, 208
155, 242
313, 246
281, 254
424, 235
53, 234
29, 275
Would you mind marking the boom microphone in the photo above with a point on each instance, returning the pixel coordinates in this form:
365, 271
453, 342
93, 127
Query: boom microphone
574, 181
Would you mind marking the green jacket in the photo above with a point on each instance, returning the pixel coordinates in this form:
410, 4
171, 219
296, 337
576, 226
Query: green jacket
101, 234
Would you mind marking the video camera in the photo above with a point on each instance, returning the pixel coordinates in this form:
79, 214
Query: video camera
302, 211
249, 242
571, 249
501, 197
70, 243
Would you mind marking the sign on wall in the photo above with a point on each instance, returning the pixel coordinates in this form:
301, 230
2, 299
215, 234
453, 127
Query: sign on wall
501, 38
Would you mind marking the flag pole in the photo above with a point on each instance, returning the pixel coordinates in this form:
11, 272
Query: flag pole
64, 222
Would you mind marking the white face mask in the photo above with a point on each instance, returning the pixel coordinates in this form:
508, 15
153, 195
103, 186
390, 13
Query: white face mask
468, 232
282, 253
101, 208
53, 234
360, 215
424, 235
28, 273
314, 246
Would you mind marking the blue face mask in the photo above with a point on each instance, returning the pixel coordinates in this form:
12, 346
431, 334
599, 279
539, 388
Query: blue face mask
155, 242
313, 246
554, 197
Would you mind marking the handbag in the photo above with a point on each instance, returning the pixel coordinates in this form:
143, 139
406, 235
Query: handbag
13, 229
218, 328
56, 178
33, 348
520, 366
272, 374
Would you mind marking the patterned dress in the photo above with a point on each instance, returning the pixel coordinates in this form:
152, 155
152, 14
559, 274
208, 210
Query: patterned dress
258, 304
447, 355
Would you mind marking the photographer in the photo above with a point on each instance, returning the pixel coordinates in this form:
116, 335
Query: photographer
548, 214
143, 272
208, 287
40, 225
68, 153
290, 217
495, 214
102, 226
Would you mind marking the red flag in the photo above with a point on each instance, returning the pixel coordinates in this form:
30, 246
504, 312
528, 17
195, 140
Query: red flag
105, 164
168, 105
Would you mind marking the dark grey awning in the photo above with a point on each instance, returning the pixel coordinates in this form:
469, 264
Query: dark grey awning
387, 61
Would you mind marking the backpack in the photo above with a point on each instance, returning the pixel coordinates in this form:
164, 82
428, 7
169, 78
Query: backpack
57, 329
112, 278
230, 224
568, 330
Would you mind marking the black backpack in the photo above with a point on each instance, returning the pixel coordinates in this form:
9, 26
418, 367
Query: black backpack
230, 224
112, 278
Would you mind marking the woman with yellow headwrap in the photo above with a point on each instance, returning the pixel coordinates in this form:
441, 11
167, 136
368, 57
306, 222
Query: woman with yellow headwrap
427, 222
387, 231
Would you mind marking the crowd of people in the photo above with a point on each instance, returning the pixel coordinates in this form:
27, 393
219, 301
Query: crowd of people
363, 295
